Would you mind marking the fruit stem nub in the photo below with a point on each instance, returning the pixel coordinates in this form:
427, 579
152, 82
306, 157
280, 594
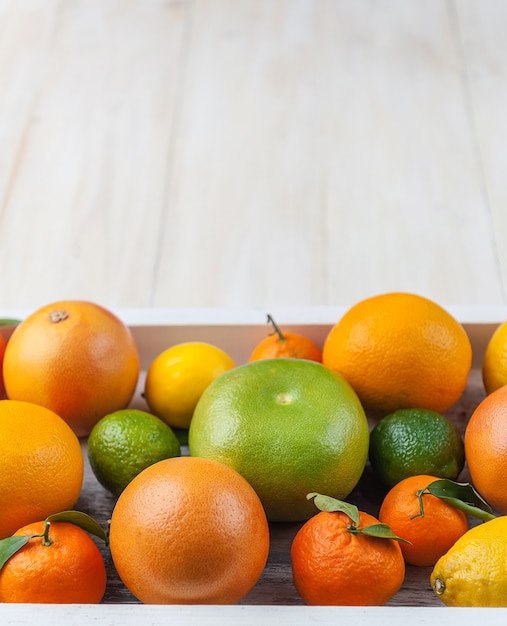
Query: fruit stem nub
58, 316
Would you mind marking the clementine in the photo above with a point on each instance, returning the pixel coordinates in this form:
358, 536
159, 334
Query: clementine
335, 563
75, 358
189, 531
400, 350
286, 344
41, 464
486, 448
62, 566
431, 530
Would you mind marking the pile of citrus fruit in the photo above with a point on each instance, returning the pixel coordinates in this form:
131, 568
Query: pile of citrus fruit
201, 455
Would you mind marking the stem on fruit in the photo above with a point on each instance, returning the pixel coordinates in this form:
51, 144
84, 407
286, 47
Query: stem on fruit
46, 541
275, 326
58, 316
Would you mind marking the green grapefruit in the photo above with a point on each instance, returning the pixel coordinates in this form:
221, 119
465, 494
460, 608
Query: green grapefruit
289, 426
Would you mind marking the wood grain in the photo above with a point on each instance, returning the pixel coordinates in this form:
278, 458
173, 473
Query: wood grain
204, 153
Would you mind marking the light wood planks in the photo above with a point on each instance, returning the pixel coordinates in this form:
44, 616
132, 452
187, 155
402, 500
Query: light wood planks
251, 152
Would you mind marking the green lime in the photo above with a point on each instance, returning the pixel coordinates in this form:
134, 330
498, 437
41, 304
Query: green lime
289, 426
410, 442
124, 443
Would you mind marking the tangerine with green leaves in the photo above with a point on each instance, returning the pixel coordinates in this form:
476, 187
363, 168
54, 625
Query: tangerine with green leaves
289, 426
341, 556
430, 524
59, 564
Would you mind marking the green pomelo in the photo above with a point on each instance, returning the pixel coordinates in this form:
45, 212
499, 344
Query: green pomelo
290, 427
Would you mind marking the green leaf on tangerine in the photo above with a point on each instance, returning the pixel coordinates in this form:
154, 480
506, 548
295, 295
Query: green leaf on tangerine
82, 520
7, 321
10, 545
462, 496
383, 531
331, 505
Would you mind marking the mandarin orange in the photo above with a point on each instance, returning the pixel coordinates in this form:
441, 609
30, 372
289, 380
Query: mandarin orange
286, 344
68, 568
430, 532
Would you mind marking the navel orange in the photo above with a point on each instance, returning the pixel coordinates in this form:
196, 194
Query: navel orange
400, 350
189, 531
73, 357
289, 426
41, 465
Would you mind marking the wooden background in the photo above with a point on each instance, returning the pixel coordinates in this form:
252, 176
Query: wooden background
223, 153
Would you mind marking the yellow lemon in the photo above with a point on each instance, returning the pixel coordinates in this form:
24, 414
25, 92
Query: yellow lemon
494, 366
474, 571
177, 378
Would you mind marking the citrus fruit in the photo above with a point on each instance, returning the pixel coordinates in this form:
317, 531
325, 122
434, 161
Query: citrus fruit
431, 530
415, 441
75, 358
474, 571
486, 448
68, 568
494, 365
189, 531
289, 426
286, 344
124, 443
400, 350
177, 377
335, 563
3, 344
41, 465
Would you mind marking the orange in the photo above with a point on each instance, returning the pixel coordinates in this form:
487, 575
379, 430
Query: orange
41, 465
68, 568
486, 448
286, 344
189, 531
430, 535
494, 365
289, 426
177, 377
3, 344
75, 358
400, 350
331, 565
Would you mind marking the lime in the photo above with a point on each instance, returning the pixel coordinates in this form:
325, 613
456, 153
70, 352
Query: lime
289, 426
177, 377
124, 443
409, 442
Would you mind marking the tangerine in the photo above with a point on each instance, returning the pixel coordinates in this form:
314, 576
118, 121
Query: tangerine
189, 531
335, 563
486, 448
400, 350
65, 568
73, 357
41, 464
431, 525
286, 344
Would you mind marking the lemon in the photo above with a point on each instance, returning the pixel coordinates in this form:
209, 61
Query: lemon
474, 571
177, 377
494, 365
410, 442
124, 443
289, 426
